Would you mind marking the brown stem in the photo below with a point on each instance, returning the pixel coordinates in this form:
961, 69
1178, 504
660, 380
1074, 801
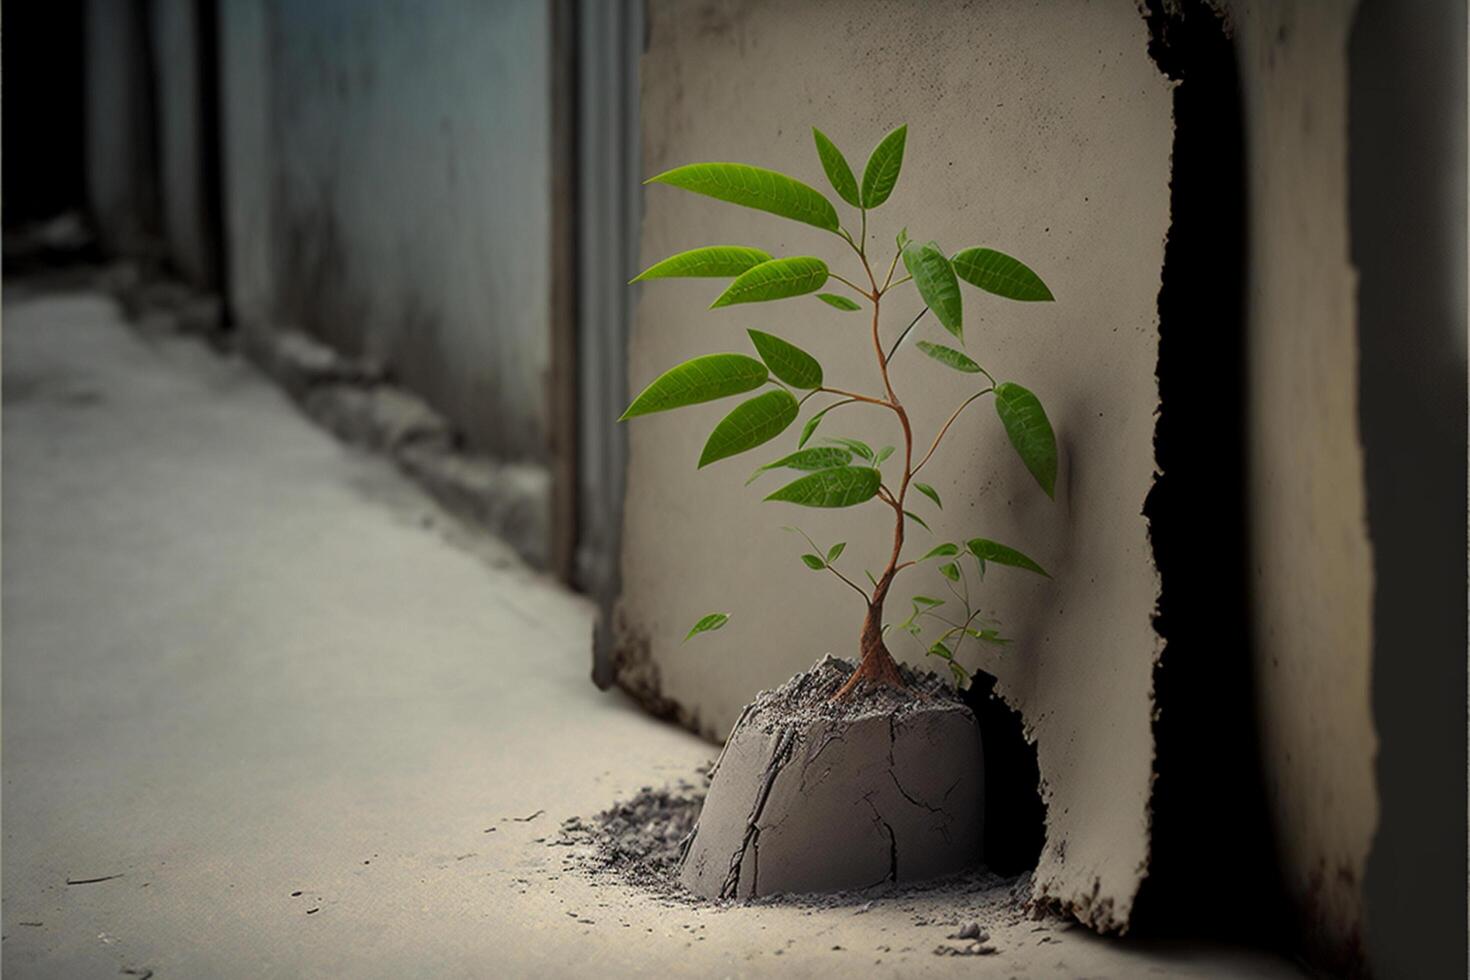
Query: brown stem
877, 665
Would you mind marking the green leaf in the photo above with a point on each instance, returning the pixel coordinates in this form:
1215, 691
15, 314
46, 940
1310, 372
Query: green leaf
754, 187
950, 570
882, 454
918, 520
929, 492
988, 636
961, 676
942, 551
787, 361
841, 486
708, 624
940, 650
871, 578
702, 379
949, 357
711, 261
928, 601
998, 273
776, 279
937, 285
817, 458
1026, 423
991, 551
754, 421
902, 238
856, 445
838, 172
881, 173
814, 562
839, 302
835, 552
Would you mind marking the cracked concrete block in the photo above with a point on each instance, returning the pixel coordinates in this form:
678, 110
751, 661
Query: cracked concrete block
810, 796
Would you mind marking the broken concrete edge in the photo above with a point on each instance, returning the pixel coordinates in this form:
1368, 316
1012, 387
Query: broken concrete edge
637, 674
354, 399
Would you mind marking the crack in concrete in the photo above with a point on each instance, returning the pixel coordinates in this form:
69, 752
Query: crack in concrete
779, 757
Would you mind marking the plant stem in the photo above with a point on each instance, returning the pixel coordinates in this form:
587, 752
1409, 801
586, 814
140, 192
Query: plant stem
877, 665
963, 405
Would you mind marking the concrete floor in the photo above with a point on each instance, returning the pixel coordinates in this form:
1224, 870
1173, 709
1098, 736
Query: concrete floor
242, 661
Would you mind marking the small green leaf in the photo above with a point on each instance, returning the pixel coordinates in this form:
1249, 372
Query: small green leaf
940, 650
754, 187
929, 492
840, 486
871, 578
998, 273
817, 458
987, 551
776, 279
988, 636
711, 261
1030, 432
902, 238
949, 357
754, 421
950, 570
835, 552
856, 445
942, 551
961, 676
708, 624
814, 562
918, 520
699, 380
787, 361
839, 302
882, 454
928, 601
809, 428
838, 172
881, 173
937, 284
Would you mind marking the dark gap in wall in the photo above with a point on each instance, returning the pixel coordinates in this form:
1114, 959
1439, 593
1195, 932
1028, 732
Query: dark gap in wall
43, 119
1212, 867
1406, 209
1015, 816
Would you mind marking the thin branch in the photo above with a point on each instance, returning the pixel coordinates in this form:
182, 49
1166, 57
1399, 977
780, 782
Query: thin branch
853, 396
891, 267
856, 288
895, 285
894, 349
853, 585
942, 431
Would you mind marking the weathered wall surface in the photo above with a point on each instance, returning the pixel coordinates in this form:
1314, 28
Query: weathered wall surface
186, 215
1312, 583
1037, 128
121, 193
410, 179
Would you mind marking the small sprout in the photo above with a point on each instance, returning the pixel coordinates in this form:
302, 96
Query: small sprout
835, 552
950, 570
814, 562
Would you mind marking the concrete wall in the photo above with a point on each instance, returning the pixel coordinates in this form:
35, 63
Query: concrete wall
179, 94
409, 177
1312, 583
1040, 129
120, 178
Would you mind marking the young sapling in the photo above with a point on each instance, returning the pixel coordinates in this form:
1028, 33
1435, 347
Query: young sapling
846, 472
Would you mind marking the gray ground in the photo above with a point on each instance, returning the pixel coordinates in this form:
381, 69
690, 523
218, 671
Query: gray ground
304, 726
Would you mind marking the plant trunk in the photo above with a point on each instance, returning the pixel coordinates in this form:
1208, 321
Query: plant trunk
877, 665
